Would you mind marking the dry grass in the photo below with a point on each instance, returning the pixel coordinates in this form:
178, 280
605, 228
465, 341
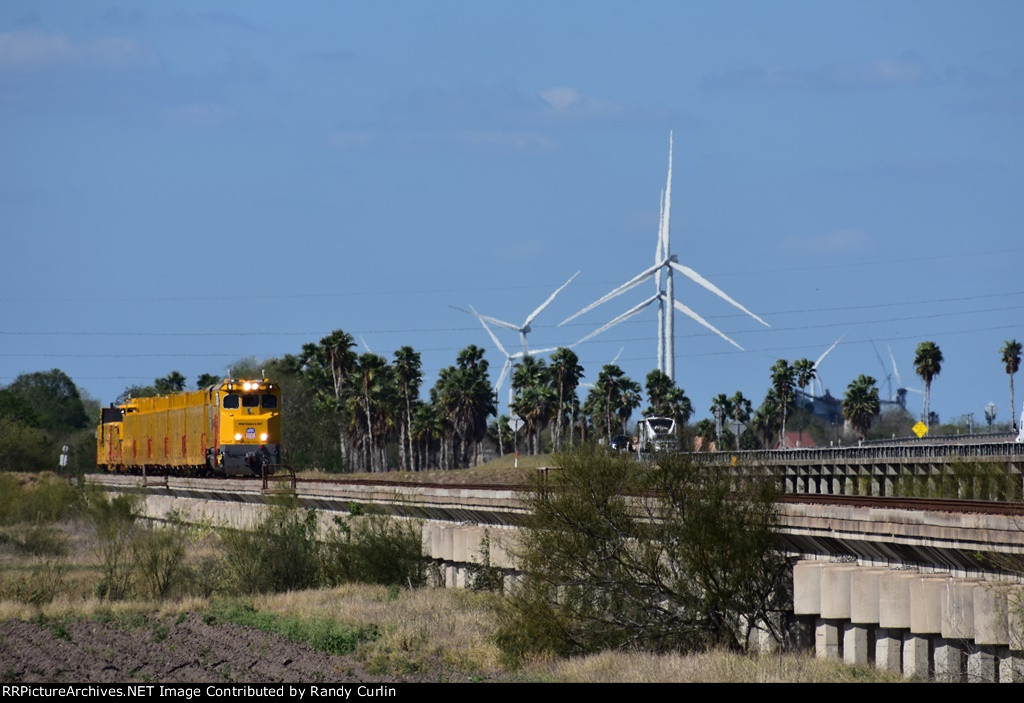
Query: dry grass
709, 667
422, 630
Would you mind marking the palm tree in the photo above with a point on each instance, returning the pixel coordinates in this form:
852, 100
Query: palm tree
861, 405
804, 373
173, 382
928, 364
741, 409
534, 398
721, 408
1011, 360
783, 378
565, 373
407, 372
372, 397
614, 395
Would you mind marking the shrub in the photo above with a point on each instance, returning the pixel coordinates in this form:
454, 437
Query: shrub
280, 554
621, 556
115, 521
159, 553
374, 549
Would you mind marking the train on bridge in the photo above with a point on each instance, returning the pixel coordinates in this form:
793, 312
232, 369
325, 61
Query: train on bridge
231, 428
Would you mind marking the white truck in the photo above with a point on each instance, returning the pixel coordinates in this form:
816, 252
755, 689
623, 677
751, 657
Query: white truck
657, 434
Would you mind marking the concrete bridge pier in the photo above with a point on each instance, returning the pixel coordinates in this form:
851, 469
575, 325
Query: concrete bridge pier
923, 624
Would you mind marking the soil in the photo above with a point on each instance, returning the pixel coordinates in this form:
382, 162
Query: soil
168, 652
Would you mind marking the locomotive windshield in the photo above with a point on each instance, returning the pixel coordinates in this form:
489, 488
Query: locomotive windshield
249, 400
660, 425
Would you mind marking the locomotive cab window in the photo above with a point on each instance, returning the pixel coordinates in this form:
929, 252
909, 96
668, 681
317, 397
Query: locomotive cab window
231, 400
250, 401
269, 400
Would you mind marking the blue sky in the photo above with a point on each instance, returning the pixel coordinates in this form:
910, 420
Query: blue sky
186, 183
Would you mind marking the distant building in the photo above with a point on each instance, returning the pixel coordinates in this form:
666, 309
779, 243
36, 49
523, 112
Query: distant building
795, 441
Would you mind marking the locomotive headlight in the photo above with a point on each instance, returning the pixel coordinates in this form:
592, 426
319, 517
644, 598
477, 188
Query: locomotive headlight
238, 436
264, 436
246, 386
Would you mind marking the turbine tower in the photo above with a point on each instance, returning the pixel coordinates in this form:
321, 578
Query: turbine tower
664, 262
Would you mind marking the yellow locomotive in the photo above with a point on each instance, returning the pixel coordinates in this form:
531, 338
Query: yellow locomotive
232, 428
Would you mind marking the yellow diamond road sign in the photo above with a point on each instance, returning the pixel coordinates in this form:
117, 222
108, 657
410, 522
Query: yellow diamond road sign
920, 429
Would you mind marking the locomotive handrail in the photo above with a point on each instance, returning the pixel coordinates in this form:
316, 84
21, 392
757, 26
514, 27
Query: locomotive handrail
269, 476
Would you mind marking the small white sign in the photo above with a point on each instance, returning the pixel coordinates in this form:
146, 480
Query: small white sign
515, 422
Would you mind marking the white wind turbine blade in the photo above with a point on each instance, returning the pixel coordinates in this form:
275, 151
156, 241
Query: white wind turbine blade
828, 351
628, 285
697, 318
895, 371
503, 375
533, 352
547, 302
621, 318
817, 377
700, 280
486, 327
500, 323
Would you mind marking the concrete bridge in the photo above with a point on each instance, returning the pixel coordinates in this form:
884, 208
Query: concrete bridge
928, 589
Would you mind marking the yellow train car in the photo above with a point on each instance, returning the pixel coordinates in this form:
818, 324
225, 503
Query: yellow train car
232, 428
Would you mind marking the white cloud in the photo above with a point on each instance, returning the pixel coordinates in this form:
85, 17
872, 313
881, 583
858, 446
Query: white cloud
560, 98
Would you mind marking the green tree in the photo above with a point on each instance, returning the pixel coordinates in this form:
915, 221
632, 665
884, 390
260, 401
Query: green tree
741, 409
174, 382
804, 372
721, 408
533, 399
326, 367
613, 397
565, 373
1011, 352
783, 380
371, 400
861, 404
135, 391
464, 400
408, 374
53, 398
205, 380
13, 407
928, 364
618, 556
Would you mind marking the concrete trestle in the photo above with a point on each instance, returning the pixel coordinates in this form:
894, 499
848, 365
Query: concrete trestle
928, 592
925, 625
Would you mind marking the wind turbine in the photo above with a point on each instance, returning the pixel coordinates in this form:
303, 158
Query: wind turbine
509, 358
524, 328
664, 263
901, 390
817, 378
